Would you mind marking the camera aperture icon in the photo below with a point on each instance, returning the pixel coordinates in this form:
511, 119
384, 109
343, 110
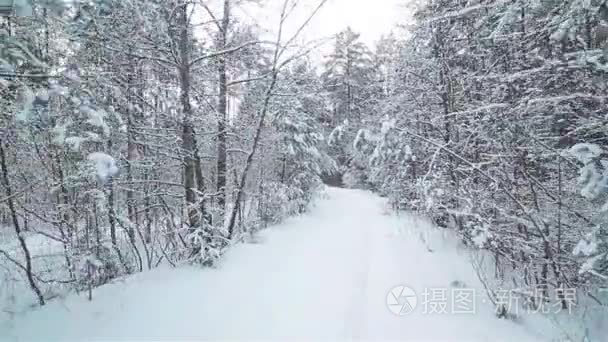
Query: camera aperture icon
401, 300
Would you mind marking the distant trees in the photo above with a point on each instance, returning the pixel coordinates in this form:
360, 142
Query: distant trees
348, 84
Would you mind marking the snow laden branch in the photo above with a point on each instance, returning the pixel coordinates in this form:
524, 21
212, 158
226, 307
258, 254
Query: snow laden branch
263, 112
214, 54
501, 185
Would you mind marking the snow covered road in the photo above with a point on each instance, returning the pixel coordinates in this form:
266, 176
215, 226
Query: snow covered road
325, 275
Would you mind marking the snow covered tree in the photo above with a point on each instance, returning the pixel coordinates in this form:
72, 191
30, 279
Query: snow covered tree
489, 95
349, 80
109, 136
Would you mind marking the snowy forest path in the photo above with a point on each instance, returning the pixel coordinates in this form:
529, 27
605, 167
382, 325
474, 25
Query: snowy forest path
324, 275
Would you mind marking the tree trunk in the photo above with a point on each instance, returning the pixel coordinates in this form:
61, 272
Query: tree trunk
188, 138
13, 212
222, 109
249, 162
131, 156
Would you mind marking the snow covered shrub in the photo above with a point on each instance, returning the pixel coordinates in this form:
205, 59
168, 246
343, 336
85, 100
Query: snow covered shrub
206, 244
273, 197
356, 178
97, 267
350, 180
277, 201
305, 187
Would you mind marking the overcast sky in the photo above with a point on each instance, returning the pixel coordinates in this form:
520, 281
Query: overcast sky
370, 18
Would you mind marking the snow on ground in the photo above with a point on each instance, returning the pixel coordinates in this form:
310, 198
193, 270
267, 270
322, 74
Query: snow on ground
47, 260
324, 275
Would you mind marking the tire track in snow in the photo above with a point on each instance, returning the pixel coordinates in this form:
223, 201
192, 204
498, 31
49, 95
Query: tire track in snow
357, 322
